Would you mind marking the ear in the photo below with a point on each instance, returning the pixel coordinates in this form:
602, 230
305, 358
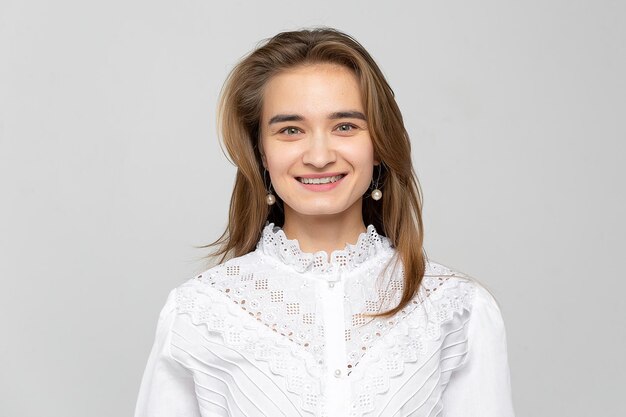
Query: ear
263, 161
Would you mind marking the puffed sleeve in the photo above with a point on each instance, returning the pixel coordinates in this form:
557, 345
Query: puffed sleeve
481, 387
167, 388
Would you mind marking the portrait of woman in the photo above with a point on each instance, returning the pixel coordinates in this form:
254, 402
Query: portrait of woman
339, 209
323, 301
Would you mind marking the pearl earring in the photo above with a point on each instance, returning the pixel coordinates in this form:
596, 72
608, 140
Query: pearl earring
376, 193
269, 198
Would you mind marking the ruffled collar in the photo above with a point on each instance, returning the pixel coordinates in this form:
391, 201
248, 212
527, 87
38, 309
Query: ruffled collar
275, 243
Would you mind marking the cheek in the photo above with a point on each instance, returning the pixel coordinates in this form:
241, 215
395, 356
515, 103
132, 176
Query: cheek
279, 161
360, 155
363, 161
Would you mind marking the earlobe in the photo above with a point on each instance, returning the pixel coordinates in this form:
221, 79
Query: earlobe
376, 159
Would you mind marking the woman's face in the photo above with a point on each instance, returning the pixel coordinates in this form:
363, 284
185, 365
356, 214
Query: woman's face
315, 140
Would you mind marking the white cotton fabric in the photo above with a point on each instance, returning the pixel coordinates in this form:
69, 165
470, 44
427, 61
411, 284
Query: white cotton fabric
281, 332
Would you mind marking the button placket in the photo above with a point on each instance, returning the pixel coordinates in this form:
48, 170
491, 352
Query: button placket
333, 280
332, 295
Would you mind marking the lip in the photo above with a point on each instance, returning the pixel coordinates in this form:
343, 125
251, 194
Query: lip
322, 175
322, 187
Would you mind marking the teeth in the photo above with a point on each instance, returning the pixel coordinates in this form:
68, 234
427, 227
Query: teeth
324, 180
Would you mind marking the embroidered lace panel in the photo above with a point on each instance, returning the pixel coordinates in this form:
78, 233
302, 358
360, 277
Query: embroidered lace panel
275, 286
275, 243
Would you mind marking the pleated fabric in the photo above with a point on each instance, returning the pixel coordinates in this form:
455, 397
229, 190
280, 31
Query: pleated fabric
279, 333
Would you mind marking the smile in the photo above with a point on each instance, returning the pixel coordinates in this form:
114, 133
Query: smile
323, 180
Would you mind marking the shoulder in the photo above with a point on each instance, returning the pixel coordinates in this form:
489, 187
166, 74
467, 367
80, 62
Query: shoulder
458, 299
216, 285
460, 286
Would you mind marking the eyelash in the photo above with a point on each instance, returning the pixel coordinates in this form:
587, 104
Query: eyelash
284, 130
352, 126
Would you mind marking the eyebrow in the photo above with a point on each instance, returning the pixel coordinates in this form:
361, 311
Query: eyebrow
336, 115
348, 115
285, 118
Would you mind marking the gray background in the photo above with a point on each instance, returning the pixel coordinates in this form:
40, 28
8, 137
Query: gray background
111, 173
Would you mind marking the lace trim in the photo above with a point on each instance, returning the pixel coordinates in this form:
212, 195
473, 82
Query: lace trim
275, 243
286, 307
364, 333
409, 341
288, 360
243, 306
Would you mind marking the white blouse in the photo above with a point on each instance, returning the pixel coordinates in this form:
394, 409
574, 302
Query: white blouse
281, 332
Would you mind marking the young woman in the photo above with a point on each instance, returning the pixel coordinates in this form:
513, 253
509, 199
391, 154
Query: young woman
323, 302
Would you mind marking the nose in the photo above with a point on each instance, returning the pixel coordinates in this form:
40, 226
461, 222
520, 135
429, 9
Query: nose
319, 150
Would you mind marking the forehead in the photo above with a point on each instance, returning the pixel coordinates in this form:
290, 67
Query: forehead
312, 90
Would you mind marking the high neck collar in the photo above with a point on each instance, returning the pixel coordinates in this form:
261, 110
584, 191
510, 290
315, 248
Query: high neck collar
275, 243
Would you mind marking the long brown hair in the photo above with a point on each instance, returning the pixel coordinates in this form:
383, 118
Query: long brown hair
398, 215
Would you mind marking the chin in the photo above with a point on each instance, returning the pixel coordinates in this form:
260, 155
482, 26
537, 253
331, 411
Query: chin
320, 208
321, 212
318, 211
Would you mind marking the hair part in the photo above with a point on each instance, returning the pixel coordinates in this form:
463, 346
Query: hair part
398, 215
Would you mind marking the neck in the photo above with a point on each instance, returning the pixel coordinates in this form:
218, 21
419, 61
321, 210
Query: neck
324, 232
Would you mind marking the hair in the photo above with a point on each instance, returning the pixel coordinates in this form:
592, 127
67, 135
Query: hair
398, 215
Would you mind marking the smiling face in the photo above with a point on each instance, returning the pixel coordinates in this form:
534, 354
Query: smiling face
315, 140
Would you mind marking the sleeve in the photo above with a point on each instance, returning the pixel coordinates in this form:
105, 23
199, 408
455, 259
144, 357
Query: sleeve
167, 387
481, 387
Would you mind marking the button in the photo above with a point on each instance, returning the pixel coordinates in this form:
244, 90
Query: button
337, 373
331, 284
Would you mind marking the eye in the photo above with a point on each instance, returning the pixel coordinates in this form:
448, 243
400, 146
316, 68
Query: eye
290, 131
346, 127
